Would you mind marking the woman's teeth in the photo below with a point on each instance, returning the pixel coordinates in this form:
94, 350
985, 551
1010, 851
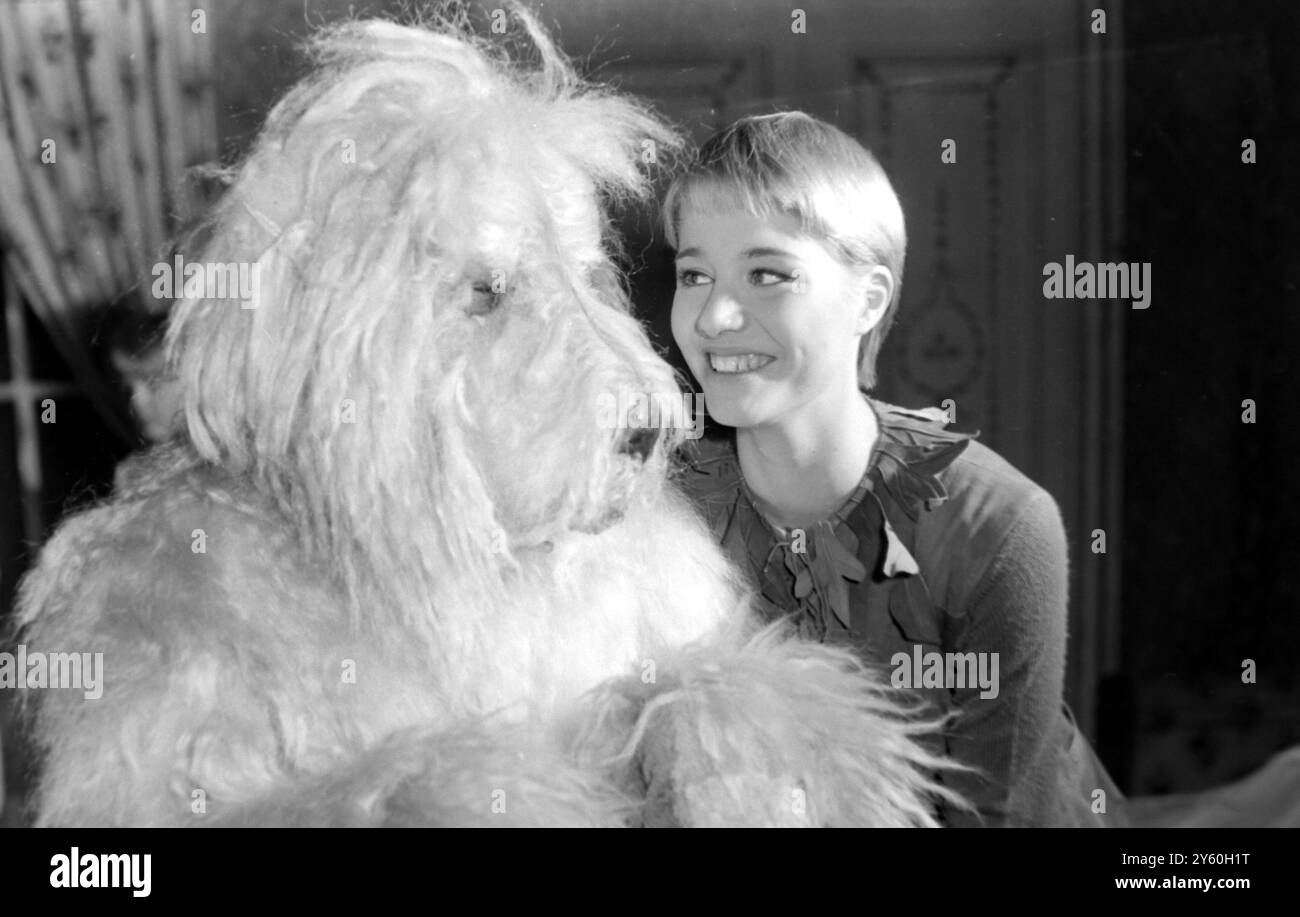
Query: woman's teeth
740, 363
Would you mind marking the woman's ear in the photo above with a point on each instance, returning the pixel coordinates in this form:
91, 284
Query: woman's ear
877, 293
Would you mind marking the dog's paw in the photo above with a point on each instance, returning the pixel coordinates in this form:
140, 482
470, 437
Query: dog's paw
688, 785
775, 731
472, 776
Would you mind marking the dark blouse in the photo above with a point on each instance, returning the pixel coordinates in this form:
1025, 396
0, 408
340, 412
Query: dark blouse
944, 548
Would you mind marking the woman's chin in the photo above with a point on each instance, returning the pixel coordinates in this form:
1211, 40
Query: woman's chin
731, 411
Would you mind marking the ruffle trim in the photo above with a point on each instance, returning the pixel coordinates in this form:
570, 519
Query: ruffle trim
911, 452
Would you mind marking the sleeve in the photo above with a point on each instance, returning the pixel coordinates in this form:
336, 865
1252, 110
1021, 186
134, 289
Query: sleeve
1017, 615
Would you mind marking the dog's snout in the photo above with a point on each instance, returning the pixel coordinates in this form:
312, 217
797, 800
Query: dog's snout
640, 442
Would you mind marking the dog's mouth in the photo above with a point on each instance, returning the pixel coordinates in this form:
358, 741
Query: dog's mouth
639, 443
604, 522
633, 461
635, 450
607, 521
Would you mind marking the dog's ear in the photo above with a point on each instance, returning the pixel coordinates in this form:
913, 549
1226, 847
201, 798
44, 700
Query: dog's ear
621, 144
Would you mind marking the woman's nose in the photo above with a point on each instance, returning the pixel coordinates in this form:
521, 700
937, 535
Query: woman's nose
721, 312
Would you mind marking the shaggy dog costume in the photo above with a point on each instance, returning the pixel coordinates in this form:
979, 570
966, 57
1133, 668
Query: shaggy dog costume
397, 572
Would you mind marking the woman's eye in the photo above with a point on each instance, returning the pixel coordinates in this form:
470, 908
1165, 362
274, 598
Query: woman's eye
764, 278
691, 278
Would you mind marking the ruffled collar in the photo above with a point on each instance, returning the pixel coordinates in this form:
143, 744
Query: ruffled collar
819, 564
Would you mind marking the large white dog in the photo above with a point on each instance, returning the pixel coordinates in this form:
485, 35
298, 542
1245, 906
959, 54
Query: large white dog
397, 572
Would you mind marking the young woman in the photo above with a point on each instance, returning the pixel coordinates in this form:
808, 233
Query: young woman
865, 523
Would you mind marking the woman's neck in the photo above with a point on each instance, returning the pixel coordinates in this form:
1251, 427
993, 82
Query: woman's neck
801, 470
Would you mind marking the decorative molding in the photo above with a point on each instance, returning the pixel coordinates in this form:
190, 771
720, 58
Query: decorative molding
883, 84
943, 345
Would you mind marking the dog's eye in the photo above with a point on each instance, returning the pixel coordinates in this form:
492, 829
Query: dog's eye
483, 298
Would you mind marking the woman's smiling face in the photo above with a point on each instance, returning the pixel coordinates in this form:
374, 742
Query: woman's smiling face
768, 319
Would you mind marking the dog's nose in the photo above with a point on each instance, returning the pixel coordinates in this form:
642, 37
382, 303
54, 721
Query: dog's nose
640, 442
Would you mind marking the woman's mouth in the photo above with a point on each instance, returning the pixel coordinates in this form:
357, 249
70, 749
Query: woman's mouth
732, 364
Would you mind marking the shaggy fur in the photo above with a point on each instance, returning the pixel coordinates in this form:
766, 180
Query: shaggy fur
396, 572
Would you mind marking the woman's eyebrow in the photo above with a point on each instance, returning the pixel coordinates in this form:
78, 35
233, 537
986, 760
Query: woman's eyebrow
760, 252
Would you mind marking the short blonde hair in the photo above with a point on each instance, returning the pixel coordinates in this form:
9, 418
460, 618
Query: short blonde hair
793, 163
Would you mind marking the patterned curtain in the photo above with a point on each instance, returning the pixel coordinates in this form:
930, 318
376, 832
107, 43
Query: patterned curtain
105, 105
